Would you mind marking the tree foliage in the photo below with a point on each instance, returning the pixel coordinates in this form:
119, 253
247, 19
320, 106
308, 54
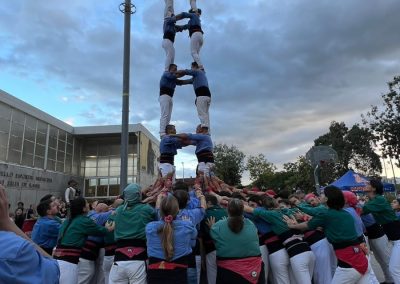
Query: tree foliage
229, 163
355, 151
259, 165
385, 122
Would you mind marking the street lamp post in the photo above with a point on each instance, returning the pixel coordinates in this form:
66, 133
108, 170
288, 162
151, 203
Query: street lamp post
128, 9
183, 171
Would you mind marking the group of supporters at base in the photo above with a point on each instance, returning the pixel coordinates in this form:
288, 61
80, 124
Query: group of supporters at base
245, 237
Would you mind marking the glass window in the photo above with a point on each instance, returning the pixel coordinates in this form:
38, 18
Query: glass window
15, 143
115, 161
102, 188
17, 129
61, 146
3, 139
69, 149
91, 162
102, 172
115, 149
131, 179
30, 122
51, 154
60, 156
103, 162
3, 151
60, 166
51, 164
114, 187
90, 187
30, 134
115, 171
53, 142
5, 111
90, 172
62, 135
42, 127
28, 147
27, 159
39, 162
4, 125
68, 163
14, 156
41, 138
39, 151
70, 138
18, 116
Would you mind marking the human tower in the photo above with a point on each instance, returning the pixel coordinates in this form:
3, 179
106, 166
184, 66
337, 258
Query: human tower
170, 78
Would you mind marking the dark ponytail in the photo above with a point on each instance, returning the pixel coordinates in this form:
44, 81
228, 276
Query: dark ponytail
235, 212
76, 208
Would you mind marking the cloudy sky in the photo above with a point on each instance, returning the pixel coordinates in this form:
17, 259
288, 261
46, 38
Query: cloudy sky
279, 71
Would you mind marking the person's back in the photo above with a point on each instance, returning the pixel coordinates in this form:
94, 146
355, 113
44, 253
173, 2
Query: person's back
21, 263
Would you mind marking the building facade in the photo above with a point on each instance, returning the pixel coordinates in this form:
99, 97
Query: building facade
39, 154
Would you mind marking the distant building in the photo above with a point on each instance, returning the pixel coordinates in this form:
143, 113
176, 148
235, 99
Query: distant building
39, 154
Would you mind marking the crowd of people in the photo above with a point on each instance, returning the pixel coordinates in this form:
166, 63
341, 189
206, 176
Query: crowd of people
210, 232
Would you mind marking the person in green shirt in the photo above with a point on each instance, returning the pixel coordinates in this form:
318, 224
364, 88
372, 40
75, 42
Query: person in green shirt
218, 213
72, 237
340, 231
238, 252
384, 215
301, 258
130, 221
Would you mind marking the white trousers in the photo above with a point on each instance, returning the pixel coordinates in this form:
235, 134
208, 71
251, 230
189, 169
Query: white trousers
86, 271
264, 256
196, 43
303, 267
394, 262
198, 268
68, 272
166, 169
107, 264
382, 249
193, 5
169, 49
349, 276
203, 106
325, 262
169, 8
132, 272
99, 276
166, 105
279, 262
211, 264
206, 168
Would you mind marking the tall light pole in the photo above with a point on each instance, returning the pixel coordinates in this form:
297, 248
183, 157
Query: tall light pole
128, 9
183, 171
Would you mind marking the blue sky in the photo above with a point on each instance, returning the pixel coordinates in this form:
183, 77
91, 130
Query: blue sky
279, 71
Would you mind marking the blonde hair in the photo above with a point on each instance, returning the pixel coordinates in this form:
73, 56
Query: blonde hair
168, 210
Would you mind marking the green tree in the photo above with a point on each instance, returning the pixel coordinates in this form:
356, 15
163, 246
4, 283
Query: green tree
229, 163
300, 174
259, 165
355, 151
384, 122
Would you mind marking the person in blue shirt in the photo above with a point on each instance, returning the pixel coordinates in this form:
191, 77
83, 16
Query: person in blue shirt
168, 82
169, 31
195, 33
202, 92
22, 261
169, 244
204, 149
46, 229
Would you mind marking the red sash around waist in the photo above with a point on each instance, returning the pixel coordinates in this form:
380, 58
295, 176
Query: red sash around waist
249, 268
165, 265
130, 252
353, 256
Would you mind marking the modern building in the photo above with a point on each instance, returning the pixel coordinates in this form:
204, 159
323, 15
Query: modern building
39, 154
